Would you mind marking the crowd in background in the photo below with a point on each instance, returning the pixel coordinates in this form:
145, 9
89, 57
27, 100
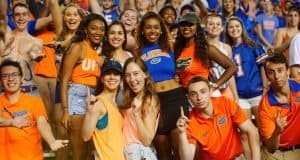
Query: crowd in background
115, 78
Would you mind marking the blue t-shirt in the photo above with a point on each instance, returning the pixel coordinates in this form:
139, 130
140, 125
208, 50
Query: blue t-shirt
161, 65
268, 24
111, 16
248, 77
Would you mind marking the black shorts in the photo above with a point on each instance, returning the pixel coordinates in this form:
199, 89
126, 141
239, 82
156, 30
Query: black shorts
170, 103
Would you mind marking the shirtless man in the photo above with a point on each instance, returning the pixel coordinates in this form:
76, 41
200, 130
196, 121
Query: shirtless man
21, 46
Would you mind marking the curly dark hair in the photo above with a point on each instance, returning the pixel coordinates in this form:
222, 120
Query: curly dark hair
201, 44
80, 34
164, 39
107, 48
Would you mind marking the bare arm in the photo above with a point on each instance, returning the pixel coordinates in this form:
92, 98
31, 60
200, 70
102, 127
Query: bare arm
93, 114
46, 132
186, 150
42, 22
95, 7
147, 123
280, 45
253, 138
215, 55
55, 12
69, 61
261, 36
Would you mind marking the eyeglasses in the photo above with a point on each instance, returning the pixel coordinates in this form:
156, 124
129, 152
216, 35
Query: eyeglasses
12, 75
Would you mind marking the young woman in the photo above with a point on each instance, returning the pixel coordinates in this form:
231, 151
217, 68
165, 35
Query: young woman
115, 45
156, 51
115, 48
140, 110
250, 77
194, 54
214, 29
103, 121
129, 18
80, 71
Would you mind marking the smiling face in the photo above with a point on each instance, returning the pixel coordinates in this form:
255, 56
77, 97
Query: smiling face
95, 31
111, 80
169, 16
11, 79
234, 29
152, 30
116, 36
214, 26
71, 18
21, 17
129, 20
135, 77
229, 6
188, 30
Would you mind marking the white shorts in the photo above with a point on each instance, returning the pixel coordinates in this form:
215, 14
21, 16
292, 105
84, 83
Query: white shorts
248, 103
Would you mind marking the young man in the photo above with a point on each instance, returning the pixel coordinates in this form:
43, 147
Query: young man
279, 112
213, 126
24, 143
15, 49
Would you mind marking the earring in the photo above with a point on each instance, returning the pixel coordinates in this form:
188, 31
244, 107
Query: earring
161, 33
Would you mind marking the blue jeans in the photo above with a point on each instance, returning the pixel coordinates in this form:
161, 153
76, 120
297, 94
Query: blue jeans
77, 95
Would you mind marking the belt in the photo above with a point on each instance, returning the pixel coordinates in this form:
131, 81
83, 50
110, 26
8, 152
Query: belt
289, 148
28, 88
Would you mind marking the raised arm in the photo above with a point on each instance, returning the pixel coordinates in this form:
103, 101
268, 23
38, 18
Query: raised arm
230, 68
56, 12
95, 7
147, 123
280, 45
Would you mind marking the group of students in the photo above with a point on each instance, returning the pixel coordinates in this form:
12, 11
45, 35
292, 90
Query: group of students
141, 87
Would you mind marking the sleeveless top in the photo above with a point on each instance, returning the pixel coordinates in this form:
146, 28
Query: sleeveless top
130, 129
109, 141
88, 70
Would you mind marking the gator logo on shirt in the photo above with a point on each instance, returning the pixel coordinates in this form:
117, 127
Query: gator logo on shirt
155, 60
222, 121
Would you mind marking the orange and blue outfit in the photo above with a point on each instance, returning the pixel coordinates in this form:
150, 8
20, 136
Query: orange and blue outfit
25, 143
218, 137
268, 109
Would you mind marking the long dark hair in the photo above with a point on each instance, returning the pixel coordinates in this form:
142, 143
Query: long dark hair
201, 45
80, 34
164, 39
245, 37
107, 48
149, 88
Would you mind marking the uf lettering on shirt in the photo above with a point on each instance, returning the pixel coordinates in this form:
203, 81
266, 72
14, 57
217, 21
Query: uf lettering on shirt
154, 53
88, 64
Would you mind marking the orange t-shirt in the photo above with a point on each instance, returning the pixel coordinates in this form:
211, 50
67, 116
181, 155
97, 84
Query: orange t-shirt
88, 70
46, 66
84, 4
217, 137
195, 67
26, 143
268, 109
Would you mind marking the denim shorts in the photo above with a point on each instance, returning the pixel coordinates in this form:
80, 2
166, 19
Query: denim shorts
77, 94
137, 151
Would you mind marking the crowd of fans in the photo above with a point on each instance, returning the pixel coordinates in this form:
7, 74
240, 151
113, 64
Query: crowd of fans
150, 79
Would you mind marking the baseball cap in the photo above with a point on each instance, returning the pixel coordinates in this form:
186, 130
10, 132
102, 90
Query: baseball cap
111, 65
191, 17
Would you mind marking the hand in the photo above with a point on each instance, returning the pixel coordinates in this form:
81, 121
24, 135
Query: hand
20, 122
58, 144
214, 86
182, 122
90, 100
66, 120
280, 123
